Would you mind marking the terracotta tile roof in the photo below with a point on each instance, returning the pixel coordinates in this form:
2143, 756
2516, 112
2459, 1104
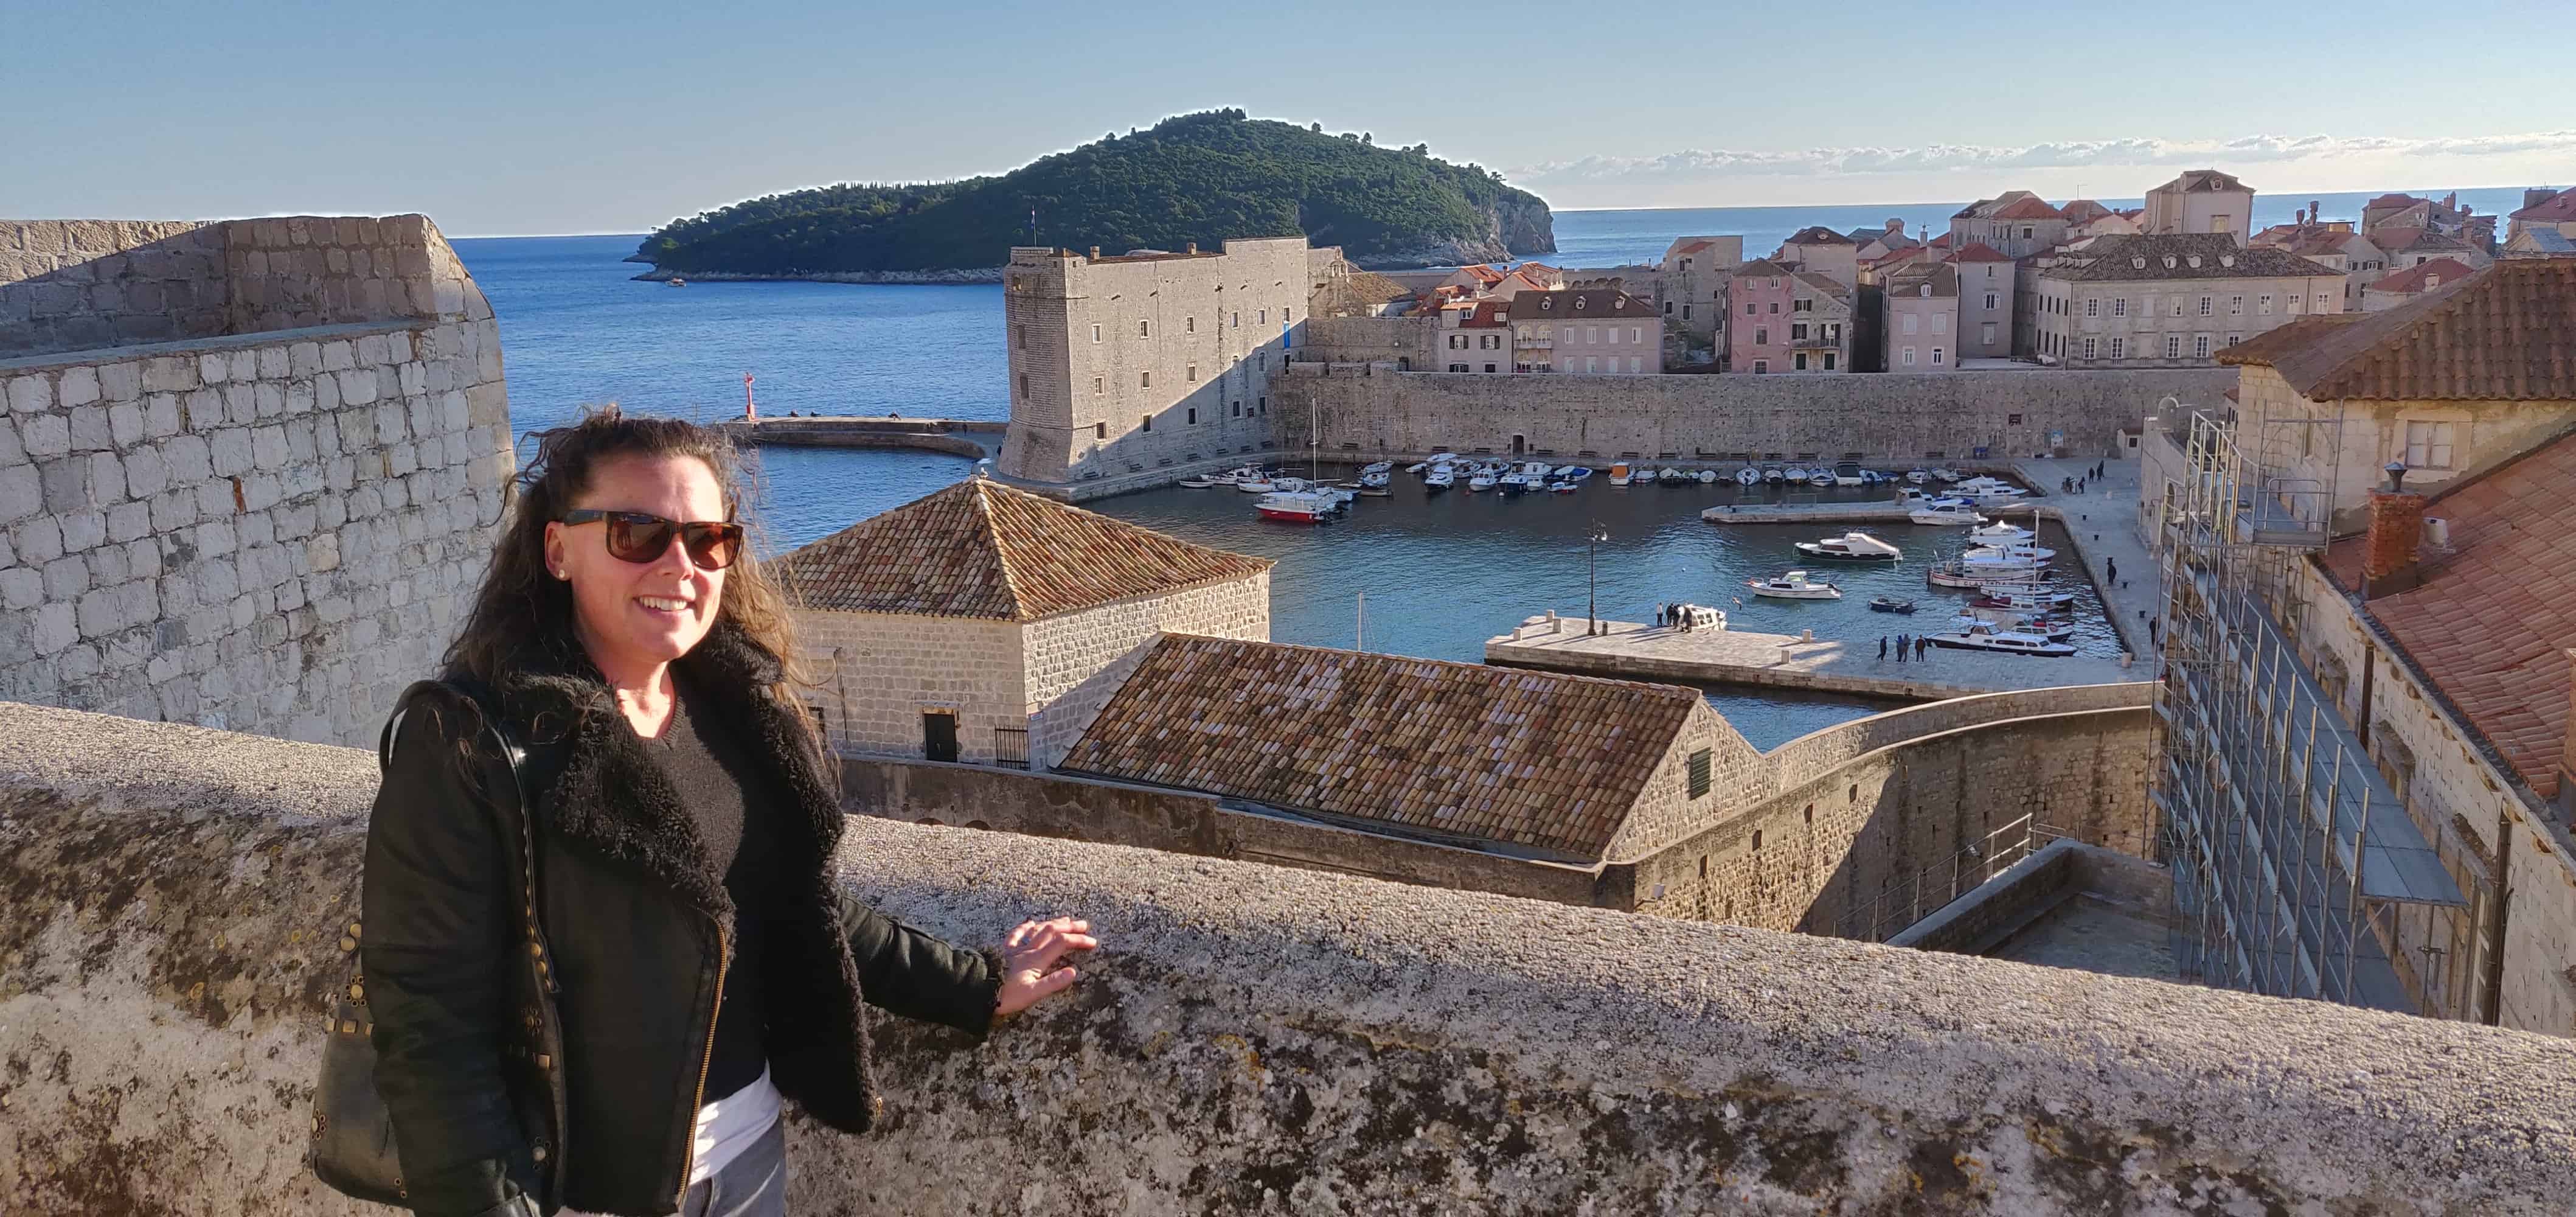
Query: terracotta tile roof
1942, 242
1531, 759
1487, 315
2143, 257
2401, 239
2559, 206
2271, 344
1760, 268
2490, 621
2198, 180
2030, 209
1483, 274
2507, 333
2320, 244
1817, 234
1584, 302
983, 549
1978, 251
2412, 279
2081, 210
1943, 278
1825, 285
1692, 247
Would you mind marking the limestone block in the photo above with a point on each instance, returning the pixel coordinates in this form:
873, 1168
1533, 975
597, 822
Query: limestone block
218, 498
202, 409
357, 386
89, 429
107, 565
161, 415
39, 539
129, 521
272, 363
326, 393
189, 458
66, 577
261, 491
106, 478
12, 452
30, 394
173, 510
121, 381
371, 350
268, 399
83, 529
337, 356
125, 423
44, 435
241, 403
21, 588
304, 359
213, 368
79, 387
232, 451
268, 447
241, 365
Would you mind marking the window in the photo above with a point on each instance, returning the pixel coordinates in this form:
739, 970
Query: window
1592, 333
1775, 308
2206, 303
1193, 419
1775, 281
2200, 346
2177, 306
1990, 302
1147, 423
2294, 303
2173, 346
1798, 362
1910, 323
1685, 311
2235, 306
1636, 363
1144, 329
1099, 430
1591, 363
1238, 409
1798, 331
2263, 304
2428, 445
1265, 406
1457, 367
2321, 302
2026, 231
1668, 308
1761, 366
1748, 308
1761, 336
2233, 339
1144, 380
1700, 781
1263, 317
1636, 334
1193, 373
1189, 325
1936, 358
2092, 308
1907, 358
1095, 332
1020, 337
1802, 306
2119, 306
2088, 348
2119, 348
1489, 367
1024, 384
2012, 420
1829, 361
1238, 320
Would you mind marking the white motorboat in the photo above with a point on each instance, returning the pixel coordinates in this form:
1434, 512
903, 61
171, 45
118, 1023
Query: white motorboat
1908, 496
1952, 513
1482, 480
1953, 574
1944, 473
1821, 478
1748, 476
1669, 476
1774, 473
2058, 630
1438, 480
1291, 485
1980, 484
1849, 473
1516, 482
1538, 472
1794, 473
1562, 486
1379, 467
1257, 484
1918, 475
1299, 506
1375, 479
1574, 473
1705, 477
2019, 551
1998, 533
1795, 585
1985, 637
1851, 547
2000, 596
1620, 475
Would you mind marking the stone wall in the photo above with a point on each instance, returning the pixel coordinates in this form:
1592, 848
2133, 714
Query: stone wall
1253, 1040
70, 285
265, 529
881, 671
1076, 661
1890, 417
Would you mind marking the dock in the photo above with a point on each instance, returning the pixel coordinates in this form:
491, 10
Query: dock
1631, 650
971, 438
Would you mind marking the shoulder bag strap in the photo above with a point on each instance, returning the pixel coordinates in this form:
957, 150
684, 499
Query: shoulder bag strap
505, 784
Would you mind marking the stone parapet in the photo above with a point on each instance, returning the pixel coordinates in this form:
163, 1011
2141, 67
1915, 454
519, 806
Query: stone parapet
1254, 1039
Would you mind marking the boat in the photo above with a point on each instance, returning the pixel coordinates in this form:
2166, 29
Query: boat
1918, 475
1380, 467
1748, 476
1890, 604
1999, 597
1299, 506
1438, 481
1794, 473
1574, 473
1669, 476
1482, 480
1201, 482
1945, 474
1985, 637
1562, 487
1795, 585
1998, 533
1620, 476
1821, 479
1773, 473
1705, 477
1952, 574
2019, 623
2016, 554
1515, 482
1257, 484
1849, 473
1949, 513
676, 281
1375, 479
1851, 547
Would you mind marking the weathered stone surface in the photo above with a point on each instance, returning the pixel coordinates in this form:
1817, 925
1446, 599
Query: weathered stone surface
1256, 1040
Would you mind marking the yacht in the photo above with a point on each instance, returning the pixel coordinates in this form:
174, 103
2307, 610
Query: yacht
1985, 637
1621, 476
1748, 476
1795, 585
1998, 533
1998, 596
1258, 483
1953, 574
1947, 513
1849, 473
1851, 547
2017, 554
1202, 482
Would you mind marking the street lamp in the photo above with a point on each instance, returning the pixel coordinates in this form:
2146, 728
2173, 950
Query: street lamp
1592, 574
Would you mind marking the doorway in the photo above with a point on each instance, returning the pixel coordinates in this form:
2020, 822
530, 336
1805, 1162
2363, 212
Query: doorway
939, 734
1520, 445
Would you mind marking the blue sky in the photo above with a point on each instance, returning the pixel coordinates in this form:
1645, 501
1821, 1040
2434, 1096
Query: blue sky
561, 117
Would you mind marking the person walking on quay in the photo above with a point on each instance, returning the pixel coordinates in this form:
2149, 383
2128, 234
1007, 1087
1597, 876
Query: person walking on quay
697, 967
1900, 648
1882, 648
1922, 649
2114, 564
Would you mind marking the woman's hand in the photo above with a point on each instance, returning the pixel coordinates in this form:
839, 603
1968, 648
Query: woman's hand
1029, 957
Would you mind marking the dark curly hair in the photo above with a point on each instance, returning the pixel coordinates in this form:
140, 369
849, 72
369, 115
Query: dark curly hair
521, 609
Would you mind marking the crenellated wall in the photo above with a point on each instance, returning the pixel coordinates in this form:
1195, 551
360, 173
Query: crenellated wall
1253, 1040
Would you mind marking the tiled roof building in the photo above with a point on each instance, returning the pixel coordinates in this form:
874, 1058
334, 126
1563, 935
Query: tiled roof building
2176, 300
2392, 290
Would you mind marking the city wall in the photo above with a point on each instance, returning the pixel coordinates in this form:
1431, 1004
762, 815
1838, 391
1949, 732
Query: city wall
1893, 418
248, 470
1252, 1040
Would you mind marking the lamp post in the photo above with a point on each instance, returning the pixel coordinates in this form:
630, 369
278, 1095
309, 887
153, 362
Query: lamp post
1592, 575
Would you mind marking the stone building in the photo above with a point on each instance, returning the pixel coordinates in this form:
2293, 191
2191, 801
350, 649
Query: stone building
2396, 289
986, 624
2544, 224
2408, 247
1988, 301
1475, 336
1788, 320
2015, 223
250, 471
2382, 216
2446, 383
1820, 250
1691, 291
1587, 330
1920, 331
2200, 201
2169, 301
1123, 364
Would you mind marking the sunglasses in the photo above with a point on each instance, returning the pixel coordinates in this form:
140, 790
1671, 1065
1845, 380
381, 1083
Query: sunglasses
634, 536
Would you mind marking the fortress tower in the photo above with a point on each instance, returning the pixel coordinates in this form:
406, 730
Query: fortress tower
1123, 364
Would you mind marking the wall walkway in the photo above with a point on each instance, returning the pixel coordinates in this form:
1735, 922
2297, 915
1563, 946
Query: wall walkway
1255, 1040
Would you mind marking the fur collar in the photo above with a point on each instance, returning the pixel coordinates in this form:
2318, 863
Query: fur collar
596, 784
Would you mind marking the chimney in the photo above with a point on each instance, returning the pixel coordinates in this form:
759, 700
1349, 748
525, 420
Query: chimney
1192, 247
1896, 226
2534, 196
2299, 218
2396, 537
2451, 200
1095, 253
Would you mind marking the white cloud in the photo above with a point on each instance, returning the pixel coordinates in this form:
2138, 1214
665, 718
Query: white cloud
1702, 165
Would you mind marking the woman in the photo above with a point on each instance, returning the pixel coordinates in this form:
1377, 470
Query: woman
696, 965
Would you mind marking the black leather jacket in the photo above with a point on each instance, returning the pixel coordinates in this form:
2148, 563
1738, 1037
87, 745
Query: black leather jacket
631, 912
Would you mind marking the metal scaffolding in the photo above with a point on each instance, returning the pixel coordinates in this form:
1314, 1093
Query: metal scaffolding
2290, 853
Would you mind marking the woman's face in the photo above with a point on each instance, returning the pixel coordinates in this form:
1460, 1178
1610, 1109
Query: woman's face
633, 616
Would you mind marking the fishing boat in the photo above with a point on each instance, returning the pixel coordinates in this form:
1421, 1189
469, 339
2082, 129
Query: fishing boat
1259, 483
1948, 513
1851, 547
1620, 476
1944, 474
1795, 585
1201, 482
1985, 637
1748, 476
1516, 482
1953, 574
676, 281
1299, 506
1890, 604
1438, 481
1849, 473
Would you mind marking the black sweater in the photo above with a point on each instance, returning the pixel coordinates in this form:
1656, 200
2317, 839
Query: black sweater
722, 789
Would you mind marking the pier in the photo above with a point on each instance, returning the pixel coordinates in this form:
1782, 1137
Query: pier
1631, 650
970, 438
